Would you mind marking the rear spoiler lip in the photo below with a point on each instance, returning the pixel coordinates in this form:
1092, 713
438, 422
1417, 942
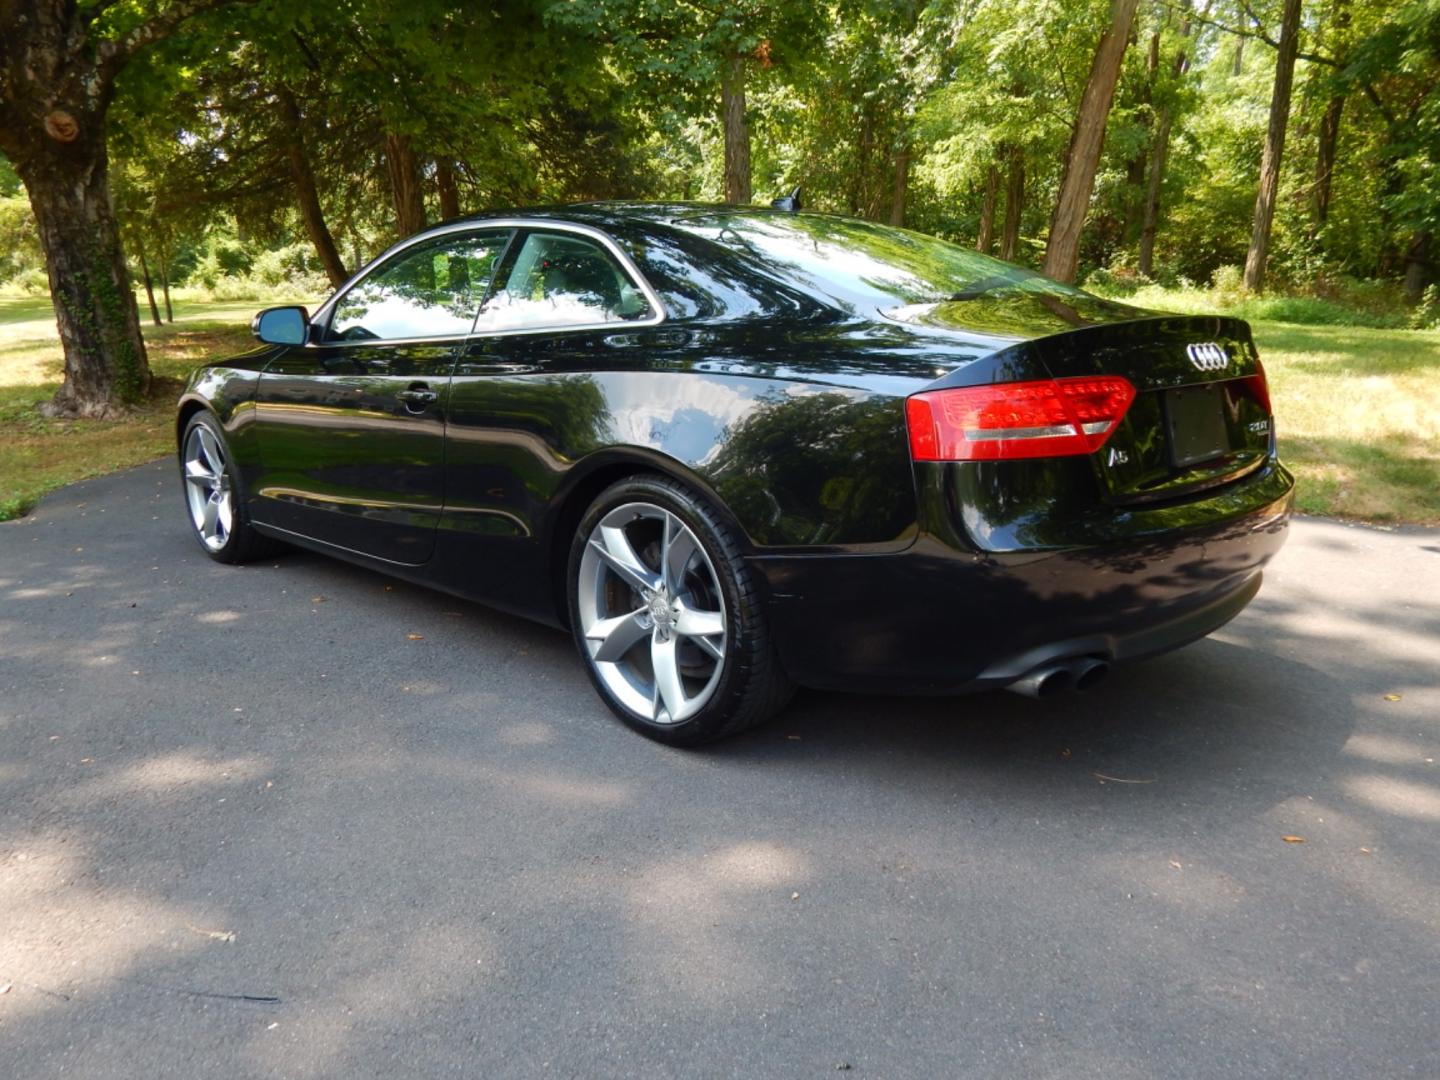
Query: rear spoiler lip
1027, 359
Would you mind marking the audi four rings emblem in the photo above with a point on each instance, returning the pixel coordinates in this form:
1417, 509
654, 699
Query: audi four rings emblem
1207, 357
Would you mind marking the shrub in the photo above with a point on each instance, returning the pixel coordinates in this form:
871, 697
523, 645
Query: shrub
1116, 280
1228, 285
33, 281
1426, 315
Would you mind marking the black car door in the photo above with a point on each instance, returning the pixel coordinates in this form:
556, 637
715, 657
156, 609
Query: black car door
350, 427
527, 396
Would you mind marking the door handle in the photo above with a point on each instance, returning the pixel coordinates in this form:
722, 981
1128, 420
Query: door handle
418, 397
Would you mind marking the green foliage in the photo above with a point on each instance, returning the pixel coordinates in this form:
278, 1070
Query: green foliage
872, 107
1426, 315
1361, 303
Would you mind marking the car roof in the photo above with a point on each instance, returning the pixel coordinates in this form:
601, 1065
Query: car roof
621, 212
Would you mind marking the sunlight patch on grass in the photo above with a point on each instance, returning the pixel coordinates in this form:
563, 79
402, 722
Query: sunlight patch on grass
38, 455
1357, 409
1357, 412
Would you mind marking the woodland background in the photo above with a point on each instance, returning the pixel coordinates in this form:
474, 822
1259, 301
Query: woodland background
1275, 159
281, 145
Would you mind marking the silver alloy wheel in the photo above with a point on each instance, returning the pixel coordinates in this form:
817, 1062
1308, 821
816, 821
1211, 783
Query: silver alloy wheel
207, 487
653, 612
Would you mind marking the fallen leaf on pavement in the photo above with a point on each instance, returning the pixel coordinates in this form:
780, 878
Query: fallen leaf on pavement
1392, 697
317, 599
1293, 839
1176, 865
415, 637
214, 935
1119, 780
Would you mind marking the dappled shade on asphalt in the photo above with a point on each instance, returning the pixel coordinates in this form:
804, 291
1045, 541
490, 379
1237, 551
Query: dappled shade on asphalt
432, 844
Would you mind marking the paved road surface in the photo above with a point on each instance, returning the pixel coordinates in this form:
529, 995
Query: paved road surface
442, 857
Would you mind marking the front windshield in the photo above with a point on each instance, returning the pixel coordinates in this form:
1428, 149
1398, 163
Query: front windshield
868, 268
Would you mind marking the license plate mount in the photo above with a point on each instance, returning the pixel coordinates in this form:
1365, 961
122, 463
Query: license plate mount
1195, 424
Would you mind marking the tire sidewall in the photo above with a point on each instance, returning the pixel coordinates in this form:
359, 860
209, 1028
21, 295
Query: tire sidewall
739, 616
227, 551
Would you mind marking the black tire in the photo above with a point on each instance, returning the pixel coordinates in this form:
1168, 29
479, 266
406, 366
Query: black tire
747, 684
239, 542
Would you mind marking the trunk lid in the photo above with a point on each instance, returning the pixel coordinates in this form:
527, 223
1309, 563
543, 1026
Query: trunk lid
1200, 416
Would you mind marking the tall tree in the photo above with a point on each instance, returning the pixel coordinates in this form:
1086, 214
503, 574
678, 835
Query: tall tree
1014, 203
58, 66
403, 166
302, 179
1327, 141
703, 53
736, 128
1160, 144
1259, 251
985, 235
1062, 248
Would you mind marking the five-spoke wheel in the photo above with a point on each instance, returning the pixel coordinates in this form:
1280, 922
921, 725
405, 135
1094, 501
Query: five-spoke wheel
207, 487
213, 497
665, 611
651, 612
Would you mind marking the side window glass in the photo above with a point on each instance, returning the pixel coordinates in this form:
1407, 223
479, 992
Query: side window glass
559, 280
431, 290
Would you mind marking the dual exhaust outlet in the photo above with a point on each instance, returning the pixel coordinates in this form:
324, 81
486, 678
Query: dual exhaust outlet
1079, 673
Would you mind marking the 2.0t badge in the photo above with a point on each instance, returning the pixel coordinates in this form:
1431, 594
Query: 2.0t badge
1207, 357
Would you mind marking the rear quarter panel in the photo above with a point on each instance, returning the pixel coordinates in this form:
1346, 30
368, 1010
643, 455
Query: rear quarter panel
796, 461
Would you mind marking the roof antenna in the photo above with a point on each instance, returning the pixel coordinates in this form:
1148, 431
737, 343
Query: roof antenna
789, 203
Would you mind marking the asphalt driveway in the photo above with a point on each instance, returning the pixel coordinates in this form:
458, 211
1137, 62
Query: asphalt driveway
296, 819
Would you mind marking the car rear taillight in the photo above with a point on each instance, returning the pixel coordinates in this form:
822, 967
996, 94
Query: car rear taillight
1045, 418
1258, 388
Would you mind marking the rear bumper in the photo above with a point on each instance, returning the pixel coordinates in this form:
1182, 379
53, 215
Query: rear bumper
937, 619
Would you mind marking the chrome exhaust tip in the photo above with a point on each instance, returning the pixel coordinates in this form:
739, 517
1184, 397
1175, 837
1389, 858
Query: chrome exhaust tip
1045, 681
1087, 673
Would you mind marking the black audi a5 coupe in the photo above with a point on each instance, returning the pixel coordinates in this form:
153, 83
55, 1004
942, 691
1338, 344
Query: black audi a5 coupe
737, 450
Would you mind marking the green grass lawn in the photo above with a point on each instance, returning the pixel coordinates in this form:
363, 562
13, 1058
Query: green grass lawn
39, 455
1357, 410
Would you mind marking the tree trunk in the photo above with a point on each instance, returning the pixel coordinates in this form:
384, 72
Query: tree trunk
902, 186
404, 169
1062, 248
165, 283
1150, 219
985, 238
1137, 168
1326, 146
1259, 251
1237, 63
149, 288
1160, 151
1328, 140
56, 85
303, 179
1417, 266
737, 132
105, 364
447, 188
1014, 204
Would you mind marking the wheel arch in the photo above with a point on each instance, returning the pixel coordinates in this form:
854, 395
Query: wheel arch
189, 406
584, 482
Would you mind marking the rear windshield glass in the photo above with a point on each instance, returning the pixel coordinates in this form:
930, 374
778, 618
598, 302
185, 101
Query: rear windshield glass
872, 266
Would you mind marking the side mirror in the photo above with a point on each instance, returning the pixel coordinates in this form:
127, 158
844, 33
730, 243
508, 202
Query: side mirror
282, 326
